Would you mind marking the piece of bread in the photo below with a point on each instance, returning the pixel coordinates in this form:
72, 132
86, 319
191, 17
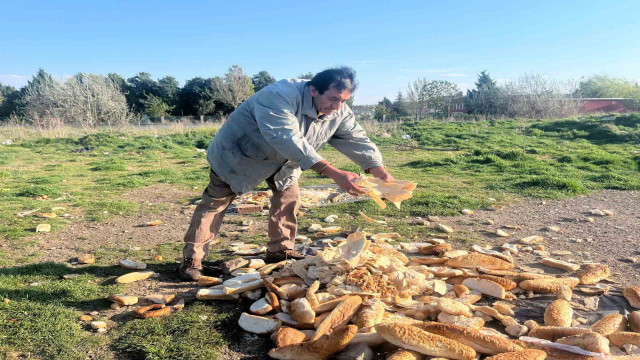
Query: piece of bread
371, 314
209, 281
634, 321
610, 324
402, 354
413, 338
559, 264
437, 249
632, 294
507, 284
260, 307
474, 322
553, 333
487, 287
340, 316
559, 313
301, 311
624, 337
134, 276
593, 342
481, 343
592, 273
289, 321
546, 286
272, 299
528, 354
311, 294
287, 336
319, 349
476, 260
453, 307
329, 305
258, 324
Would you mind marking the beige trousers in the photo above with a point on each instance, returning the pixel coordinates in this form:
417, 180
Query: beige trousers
216, 198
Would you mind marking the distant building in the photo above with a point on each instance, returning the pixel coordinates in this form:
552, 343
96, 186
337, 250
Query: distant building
615, 105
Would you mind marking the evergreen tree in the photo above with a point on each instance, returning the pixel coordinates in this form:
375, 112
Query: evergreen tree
168, 89
9, 101
400, 106
484, 99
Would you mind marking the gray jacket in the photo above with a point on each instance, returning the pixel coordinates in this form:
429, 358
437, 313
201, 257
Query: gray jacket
278, 130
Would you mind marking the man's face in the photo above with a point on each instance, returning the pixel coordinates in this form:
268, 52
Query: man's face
332, 99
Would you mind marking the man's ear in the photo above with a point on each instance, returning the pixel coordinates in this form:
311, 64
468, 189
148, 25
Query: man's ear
313, 91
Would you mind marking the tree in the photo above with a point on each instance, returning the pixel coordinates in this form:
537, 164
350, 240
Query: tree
484, 98
168, 89
234, 88
9, 100
86, 100
138, 87
262, 80
536, 96
307, 76
431, 95
383, 109
155, 107
197, 97
400, 106
119, 81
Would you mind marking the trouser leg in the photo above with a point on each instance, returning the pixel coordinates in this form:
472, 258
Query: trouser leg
283, 221
207, 218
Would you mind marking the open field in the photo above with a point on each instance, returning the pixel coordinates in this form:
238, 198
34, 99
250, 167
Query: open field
103, 185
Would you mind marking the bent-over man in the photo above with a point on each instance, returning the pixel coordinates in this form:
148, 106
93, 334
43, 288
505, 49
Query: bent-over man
274, 135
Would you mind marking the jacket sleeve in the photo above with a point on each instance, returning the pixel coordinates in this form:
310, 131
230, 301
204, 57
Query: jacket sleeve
351, 140
278, 124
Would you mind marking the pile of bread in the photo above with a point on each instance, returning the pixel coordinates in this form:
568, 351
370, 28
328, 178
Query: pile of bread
419, 301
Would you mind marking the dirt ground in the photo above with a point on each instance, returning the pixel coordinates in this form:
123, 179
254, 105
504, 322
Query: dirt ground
608, 239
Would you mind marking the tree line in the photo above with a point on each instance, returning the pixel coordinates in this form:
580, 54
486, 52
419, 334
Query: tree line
530, 96
93, 100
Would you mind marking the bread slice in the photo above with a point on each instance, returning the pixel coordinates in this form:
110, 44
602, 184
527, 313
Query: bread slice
319, 349
547, 286
486, 287
610, 324
481, 343
258, 324
260, 307
566, 266
559, 313
301, 311
529, 354
413, 338
476, 260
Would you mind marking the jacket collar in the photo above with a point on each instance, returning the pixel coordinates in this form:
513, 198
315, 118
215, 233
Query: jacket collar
307, 103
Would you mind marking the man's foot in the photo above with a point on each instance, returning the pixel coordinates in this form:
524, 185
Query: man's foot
190, 269
274, 257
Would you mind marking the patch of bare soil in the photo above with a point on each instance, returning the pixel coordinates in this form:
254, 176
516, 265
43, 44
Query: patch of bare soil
611, 240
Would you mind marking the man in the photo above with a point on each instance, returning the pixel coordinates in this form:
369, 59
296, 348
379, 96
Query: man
273, 136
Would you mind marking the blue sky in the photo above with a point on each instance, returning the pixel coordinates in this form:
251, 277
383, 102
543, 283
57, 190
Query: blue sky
389, 43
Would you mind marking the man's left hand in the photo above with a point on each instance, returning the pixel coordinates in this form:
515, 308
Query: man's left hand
381, 173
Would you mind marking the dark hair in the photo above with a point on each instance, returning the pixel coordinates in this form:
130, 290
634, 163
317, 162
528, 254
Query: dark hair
341, 78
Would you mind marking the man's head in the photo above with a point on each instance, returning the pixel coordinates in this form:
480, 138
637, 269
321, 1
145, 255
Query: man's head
331, 88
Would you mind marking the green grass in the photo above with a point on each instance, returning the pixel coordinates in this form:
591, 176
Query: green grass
497, 161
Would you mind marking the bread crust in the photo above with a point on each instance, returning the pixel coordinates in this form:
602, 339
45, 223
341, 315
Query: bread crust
553, 333
559, 313
609, 324
482, 343
528, 354
632, 294
593, 273
547, 286
319, 349
339, 316
476, 260
624, 337
413, 338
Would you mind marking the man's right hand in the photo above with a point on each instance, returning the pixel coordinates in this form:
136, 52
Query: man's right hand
344, 179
